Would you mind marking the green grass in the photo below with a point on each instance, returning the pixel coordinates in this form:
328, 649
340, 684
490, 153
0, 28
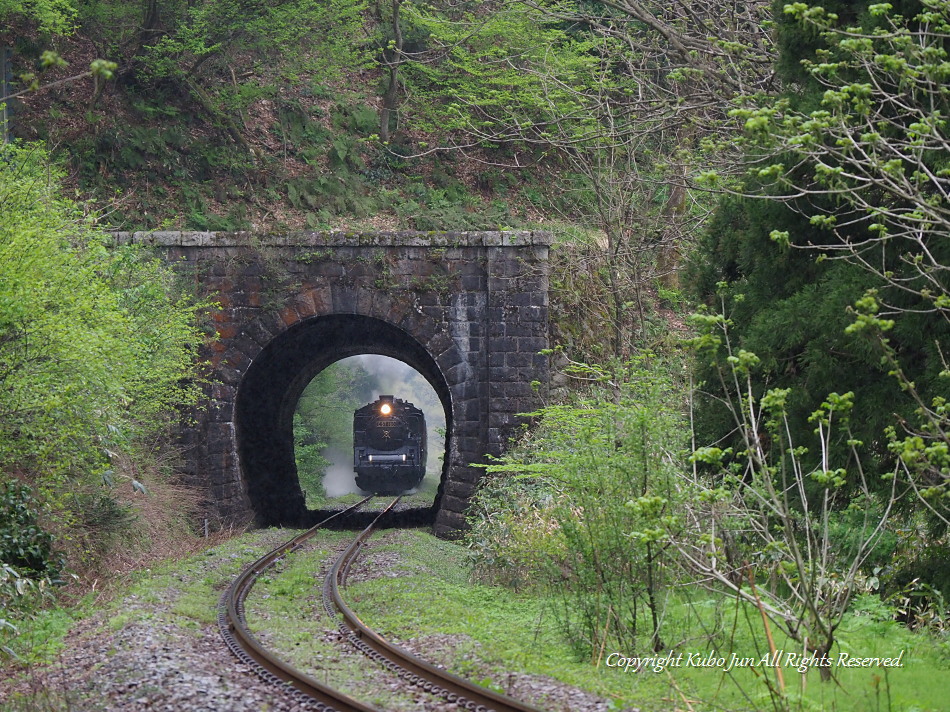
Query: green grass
40, 638
190, 587
921, 684
285, 611
517, 631
494, 630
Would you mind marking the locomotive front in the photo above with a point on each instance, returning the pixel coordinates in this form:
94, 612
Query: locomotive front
389, 446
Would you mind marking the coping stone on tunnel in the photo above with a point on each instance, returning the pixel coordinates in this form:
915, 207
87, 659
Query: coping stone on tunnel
468, 310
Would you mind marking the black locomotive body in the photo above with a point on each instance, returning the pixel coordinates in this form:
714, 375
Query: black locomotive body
389, 446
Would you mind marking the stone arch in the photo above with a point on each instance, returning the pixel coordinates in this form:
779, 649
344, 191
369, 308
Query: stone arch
271, 386
470, 310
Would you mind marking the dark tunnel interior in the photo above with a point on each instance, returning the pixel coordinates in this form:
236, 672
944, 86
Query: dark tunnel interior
269, 392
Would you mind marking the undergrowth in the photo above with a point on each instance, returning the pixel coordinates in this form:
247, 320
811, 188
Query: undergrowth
499, 631
586, 516
159, 167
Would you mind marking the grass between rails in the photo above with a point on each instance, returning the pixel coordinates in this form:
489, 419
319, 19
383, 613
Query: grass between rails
423, 596
285, 611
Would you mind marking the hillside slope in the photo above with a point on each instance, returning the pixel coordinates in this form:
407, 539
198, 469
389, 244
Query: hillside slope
250, 138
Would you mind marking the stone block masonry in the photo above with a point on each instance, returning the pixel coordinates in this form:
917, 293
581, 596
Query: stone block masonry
468, 310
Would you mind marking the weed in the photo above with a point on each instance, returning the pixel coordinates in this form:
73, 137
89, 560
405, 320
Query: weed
308, 258
671, 297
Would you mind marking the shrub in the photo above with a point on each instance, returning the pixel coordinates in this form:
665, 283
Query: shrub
591, 507
98, 348
24, 545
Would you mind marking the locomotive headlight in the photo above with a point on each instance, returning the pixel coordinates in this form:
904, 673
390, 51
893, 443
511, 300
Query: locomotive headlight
385, 409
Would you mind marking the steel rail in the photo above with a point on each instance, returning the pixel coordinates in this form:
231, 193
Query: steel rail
400, 661
244, 645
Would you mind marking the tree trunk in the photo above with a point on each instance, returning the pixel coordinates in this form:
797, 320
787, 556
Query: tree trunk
390, 97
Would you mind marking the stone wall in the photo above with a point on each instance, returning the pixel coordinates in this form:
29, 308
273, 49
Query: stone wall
467, 310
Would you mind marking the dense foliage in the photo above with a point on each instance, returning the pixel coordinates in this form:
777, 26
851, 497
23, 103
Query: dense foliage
590, 514
97, 352
822, 469
49, 15
324, 421
845, 220
803, 151
95, 339
616, 116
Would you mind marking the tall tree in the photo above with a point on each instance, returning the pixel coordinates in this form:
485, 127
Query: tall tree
616, 98
841, 257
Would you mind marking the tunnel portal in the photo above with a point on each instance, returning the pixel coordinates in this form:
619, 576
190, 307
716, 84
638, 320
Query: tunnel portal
269, 391
469, 311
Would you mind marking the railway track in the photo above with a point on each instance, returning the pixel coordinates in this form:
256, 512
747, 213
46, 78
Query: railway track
412, 670
238, 637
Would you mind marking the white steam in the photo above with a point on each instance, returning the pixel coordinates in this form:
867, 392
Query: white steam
401, 381
339, 478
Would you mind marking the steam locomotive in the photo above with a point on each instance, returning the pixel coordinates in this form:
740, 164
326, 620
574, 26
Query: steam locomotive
389, 446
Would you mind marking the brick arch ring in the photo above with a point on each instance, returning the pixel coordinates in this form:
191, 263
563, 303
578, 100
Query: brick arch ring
285, 350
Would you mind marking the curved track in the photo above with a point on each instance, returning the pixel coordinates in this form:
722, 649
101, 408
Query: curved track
411, 669
401, 662
244, 645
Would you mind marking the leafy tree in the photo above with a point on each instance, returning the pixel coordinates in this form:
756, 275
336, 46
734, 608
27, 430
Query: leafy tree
877, 145
393, 56
768, 525
853, 167
605, 467
98, 345
793, 313
324, 421
615, 98
54, 16
51, 17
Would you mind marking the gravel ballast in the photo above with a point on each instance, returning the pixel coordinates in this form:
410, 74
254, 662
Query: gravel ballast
157, 647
